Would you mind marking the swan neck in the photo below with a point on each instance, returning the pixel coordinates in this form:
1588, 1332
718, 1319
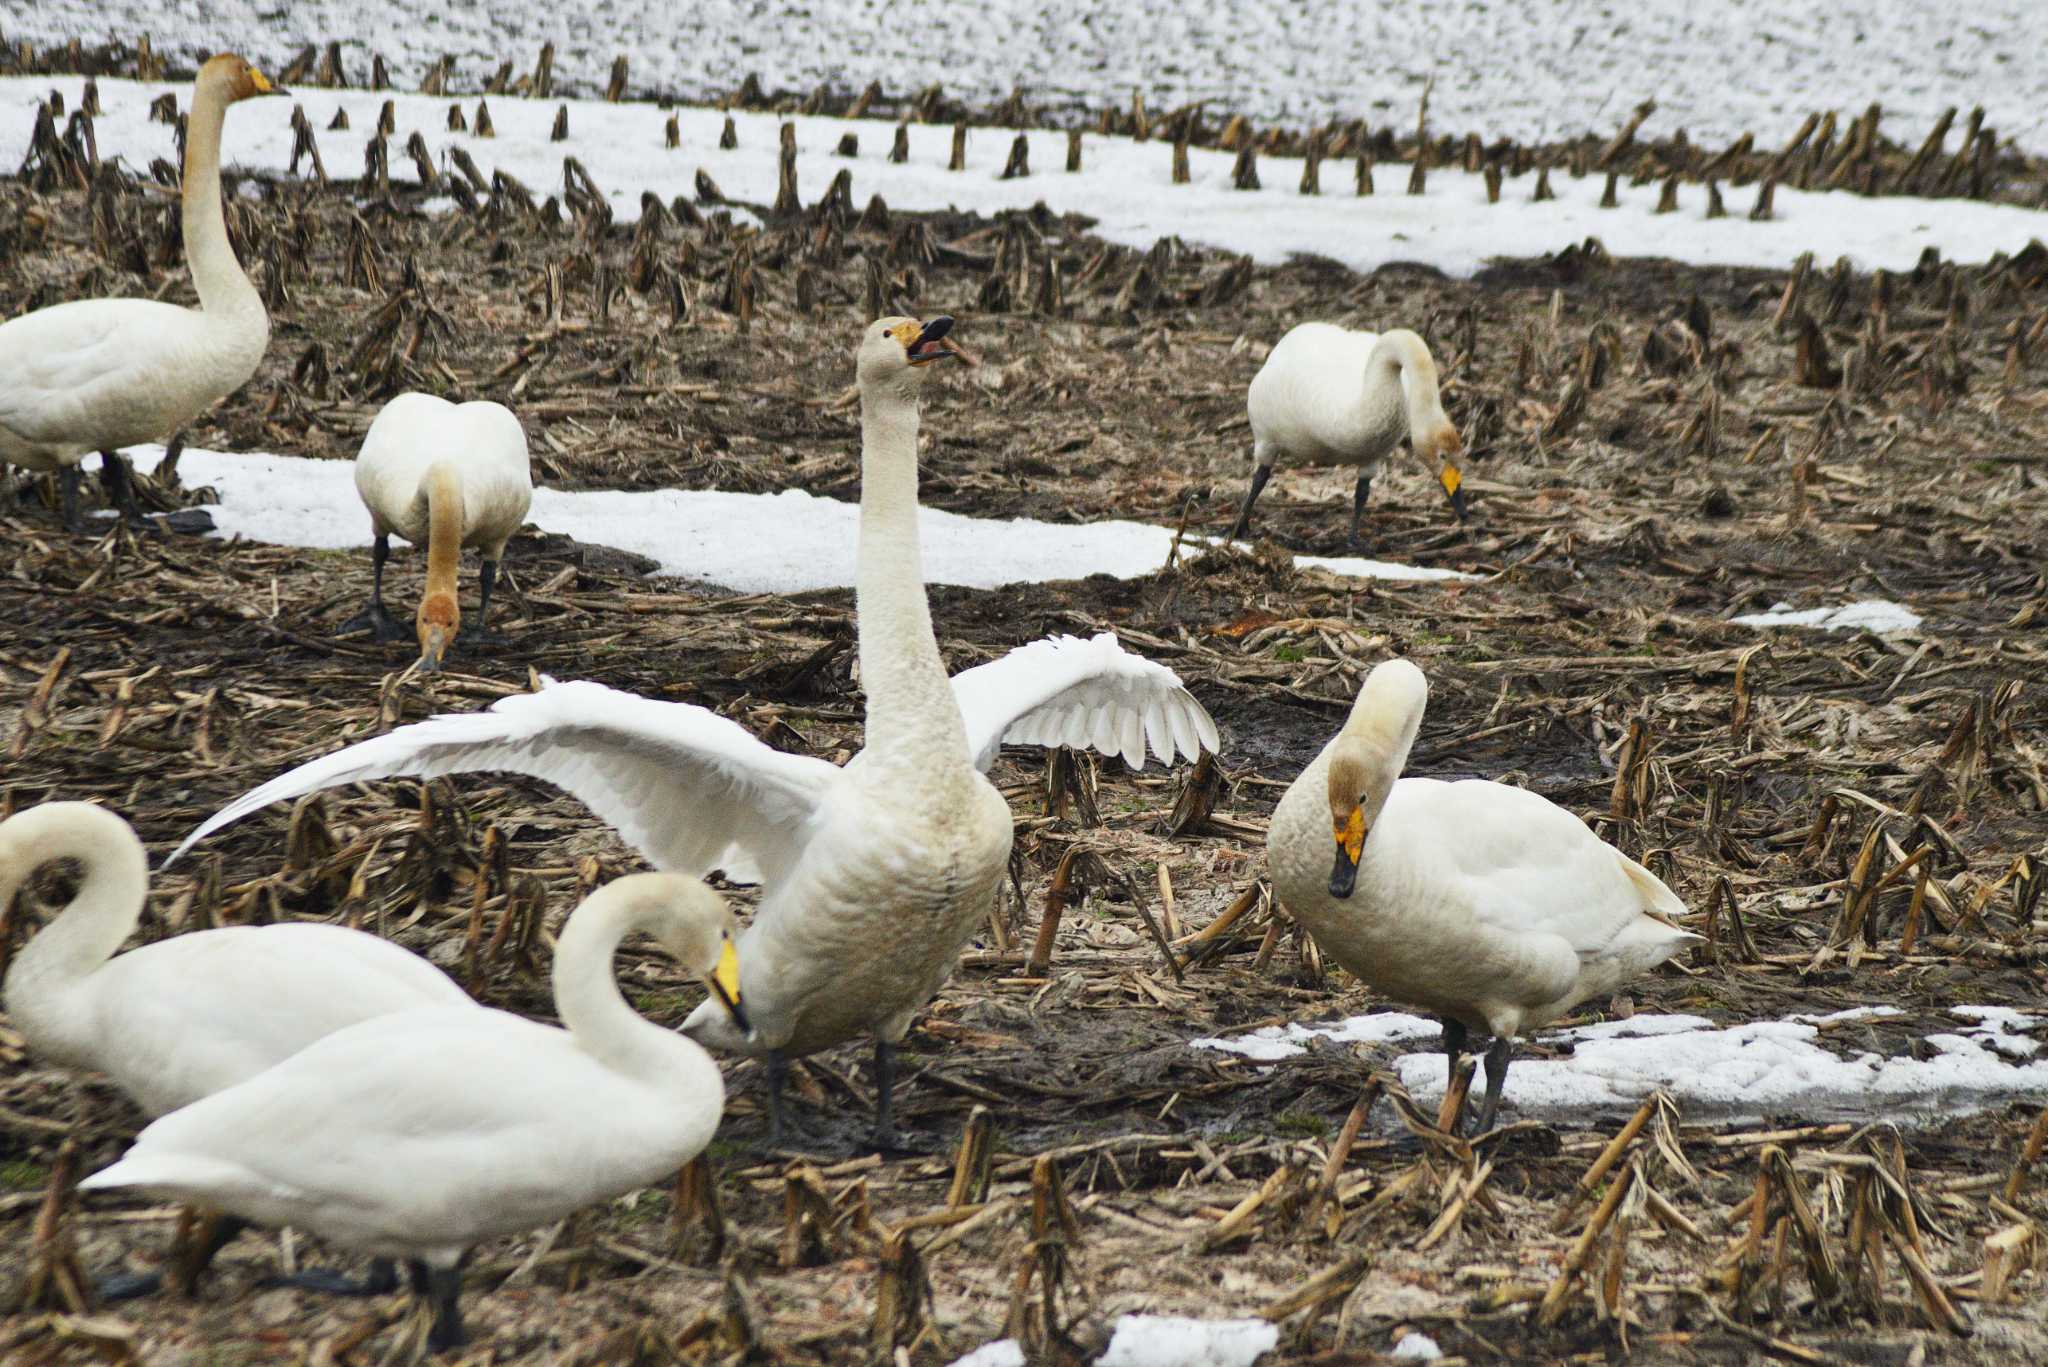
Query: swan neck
216, 274
1376, 739
101, 915
1401, 371
910, 704
587, 996
442, 489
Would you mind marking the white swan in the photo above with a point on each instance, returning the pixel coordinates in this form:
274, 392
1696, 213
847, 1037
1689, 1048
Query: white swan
1485, 904
445, 476
875, 875
422, 1134
187, 1016
1330, 396
99, 374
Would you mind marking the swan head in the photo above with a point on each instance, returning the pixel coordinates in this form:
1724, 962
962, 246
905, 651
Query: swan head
438, 621
1367, 758
1443, 451
895, 351
236, 78
698, 934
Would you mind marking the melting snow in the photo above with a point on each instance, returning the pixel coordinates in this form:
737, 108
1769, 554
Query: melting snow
1170, 1341
1873, 614
752, 543
1416, 1346
1001, 1353
1125, 185
1763, 1066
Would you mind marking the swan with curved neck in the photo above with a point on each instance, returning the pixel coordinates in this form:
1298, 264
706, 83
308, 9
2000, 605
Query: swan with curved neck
873, 876
447, 476
423, 1134
100, 374
1488, 905
1329, 396
190, 1015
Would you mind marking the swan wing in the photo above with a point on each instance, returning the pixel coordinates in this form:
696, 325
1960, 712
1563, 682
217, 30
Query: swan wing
1090, 694
684, 786
61, 365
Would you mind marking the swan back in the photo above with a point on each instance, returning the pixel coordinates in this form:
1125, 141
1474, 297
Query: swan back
483, 443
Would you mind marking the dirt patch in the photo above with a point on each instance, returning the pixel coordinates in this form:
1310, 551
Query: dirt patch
1651, 456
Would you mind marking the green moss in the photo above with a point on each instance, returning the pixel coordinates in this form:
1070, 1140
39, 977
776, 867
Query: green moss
1307, 1124
1288, 654
22, 1175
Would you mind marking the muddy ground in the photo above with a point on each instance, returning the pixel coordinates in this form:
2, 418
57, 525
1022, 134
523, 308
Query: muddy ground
1653, 449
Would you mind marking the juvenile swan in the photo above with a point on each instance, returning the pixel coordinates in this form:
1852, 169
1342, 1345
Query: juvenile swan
99, 374
1487, 905
1329, 396
422, 1134
444, 476
873, 876
188, 1016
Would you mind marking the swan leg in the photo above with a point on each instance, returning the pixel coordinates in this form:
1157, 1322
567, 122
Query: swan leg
777, 1066
376, 618
440, 1288
119, 482
381, 1280
477, 633
67, 488
1358, 496
1498, 1055
885, 1091
186, 1265
1455, 1038
1260, 474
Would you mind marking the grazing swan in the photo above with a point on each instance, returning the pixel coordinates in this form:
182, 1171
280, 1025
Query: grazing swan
875, 875
99, 374
1330, 396
423, 1134
447, 476
1488, 905
193, 1014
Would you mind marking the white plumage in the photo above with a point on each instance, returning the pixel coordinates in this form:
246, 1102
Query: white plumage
443, 476
875, 875
422, 1134
100, 374
1486, 904
1330, 396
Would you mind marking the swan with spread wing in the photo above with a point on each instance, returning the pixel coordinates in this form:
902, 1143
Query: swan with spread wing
874, 876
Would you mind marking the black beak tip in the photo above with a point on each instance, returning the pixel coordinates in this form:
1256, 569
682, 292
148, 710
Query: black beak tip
1458, 504
936, 328
1343, 878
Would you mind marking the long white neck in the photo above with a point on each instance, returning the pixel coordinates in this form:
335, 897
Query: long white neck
39, 989
1400, 376
587, 994
911, 709
223, 287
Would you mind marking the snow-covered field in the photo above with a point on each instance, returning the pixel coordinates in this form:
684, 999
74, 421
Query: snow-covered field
789, 542
1549, 69
1764, 1067
1126, 186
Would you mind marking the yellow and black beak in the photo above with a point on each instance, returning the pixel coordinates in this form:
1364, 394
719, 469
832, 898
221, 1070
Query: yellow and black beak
1454, 489
1350, 843
931, 344
725, 984
263, 85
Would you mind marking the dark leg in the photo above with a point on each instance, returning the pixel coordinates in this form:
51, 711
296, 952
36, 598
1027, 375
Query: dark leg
477, 633
1260, 474
119, 482
126, 1286
375, 619
1455, 1036
67, 486
1498, 1054
885, 1091
778, 1073
1358, 506
381, 1280
441, 1289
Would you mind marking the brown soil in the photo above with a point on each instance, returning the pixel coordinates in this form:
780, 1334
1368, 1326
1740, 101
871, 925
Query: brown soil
1646, 461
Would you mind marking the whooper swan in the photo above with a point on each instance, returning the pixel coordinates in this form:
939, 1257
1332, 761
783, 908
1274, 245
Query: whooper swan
420, 1135
445, 476
1329, 396
190, 1015
873, 876
100, 374
1485, 904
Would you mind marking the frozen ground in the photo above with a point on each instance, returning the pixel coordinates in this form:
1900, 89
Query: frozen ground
1126, 186
1764, 1067
789, 542
1556, 68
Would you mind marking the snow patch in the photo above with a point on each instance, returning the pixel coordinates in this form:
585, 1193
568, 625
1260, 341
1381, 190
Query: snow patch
1001, 1353
1125, 185
1872, 614
1762, 1066
789, 542
1171, 1341
1416, 1346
